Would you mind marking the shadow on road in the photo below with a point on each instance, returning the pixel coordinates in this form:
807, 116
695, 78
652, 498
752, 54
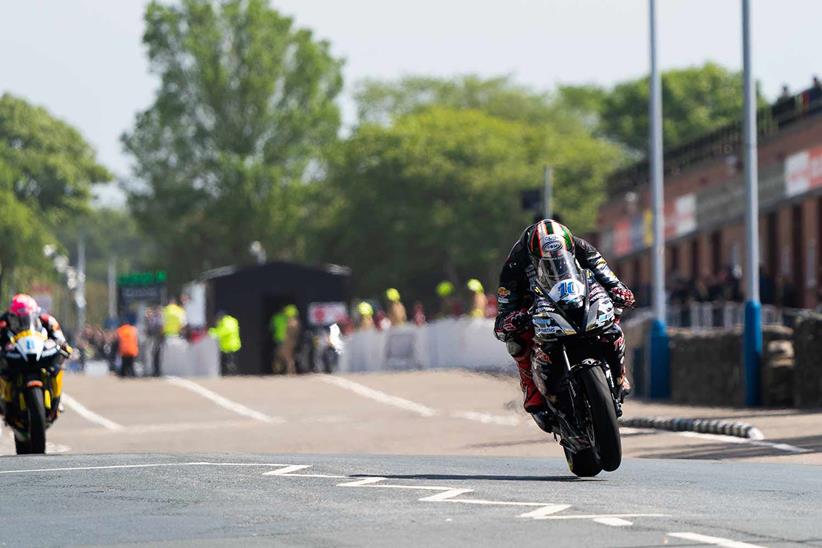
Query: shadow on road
479, 477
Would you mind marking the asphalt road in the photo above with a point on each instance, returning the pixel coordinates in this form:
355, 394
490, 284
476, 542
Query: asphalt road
303, 500
429, 458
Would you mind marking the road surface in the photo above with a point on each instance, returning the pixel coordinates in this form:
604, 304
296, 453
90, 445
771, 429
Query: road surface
407, 459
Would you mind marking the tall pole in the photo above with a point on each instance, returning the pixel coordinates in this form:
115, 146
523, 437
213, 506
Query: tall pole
548, 196
112, 288
660, 374
752, 339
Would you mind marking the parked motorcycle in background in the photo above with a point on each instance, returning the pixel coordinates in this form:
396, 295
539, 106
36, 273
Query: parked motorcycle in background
31, 383
320, 349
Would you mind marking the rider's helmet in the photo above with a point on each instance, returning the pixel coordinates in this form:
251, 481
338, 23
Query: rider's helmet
552, 250
23, 309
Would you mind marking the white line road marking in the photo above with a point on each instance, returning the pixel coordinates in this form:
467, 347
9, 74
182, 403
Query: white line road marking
746, 441
445, 495
449, 494
487, 418
150, 465
88, 414
614, 522
362, 482
546, 510
716, 541
289, 471
381, 397
222, 401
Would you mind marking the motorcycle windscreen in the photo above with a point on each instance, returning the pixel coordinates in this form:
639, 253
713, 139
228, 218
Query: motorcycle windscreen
561, 276
20, 324
28, 337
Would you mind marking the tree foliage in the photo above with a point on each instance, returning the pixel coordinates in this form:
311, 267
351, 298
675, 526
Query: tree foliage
436, 194
695, 100
245, 107
46, 173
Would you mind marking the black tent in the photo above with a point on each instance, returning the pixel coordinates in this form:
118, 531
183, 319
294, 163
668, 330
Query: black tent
254, 294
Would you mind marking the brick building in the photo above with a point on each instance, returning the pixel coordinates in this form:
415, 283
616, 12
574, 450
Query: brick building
704, 205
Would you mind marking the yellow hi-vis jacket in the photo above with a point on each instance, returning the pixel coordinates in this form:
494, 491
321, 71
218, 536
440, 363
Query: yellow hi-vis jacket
174, 319
227, 333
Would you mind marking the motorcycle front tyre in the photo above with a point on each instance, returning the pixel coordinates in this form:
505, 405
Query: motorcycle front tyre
37, 420
603, 414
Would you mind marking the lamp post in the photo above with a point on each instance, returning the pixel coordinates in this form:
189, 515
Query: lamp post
660, 373
752, 337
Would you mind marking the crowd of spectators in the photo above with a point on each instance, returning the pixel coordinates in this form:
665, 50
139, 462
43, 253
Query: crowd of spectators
381, 314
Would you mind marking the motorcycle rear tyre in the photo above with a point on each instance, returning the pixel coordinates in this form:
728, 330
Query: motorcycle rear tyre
604, 418
37, 420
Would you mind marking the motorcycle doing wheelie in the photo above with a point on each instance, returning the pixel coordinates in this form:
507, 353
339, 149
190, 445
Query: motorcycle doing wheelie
31, 383
570, 311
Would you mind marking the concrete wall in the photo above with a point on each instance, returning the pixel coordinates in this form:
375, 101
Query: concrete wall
706, 367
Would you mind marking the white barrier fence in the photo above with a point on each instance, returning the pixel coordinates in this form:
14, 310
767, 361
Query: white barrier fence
197, 359
466, 343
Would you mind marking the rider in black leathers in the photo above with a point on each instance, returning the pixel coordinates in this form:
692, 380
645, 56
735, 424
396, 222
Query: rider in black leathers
515, 296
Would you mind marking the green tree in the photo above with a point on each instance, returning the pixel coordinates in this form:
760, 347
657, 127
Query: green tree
46, 173
381, 101
244, 110
695, 100
436, 194
23, 237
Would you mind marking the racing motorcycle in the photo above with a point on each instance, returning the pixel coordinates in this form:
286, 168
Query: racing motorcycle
570, 311
31, 382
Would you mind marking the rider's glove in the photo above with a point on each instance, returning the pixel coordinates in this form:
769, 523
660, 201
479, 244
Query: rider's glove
622, 296
511, 324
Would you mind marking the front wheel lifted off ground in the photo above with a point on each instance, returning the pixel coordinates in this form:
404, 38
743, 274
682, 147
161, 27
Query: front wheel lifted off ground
603, 414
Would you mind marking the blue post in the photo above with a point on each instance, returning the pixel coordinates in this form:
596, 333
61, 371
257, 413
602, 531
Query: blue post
752, 337
752, 353
660, 382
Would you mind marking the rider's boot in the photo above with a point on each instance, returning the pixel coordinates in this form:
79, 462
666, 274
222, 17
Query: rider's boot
534, 402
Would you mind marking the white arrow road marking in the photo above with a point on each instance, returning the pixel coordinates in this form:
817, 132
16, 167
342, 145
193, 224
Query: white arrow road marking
223, 402
88, 414
381, 397
716, 541
446, 494
614, 522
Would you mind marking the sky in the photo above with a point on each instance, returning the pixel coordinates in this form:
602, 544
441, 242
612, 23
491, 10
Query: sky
84, 61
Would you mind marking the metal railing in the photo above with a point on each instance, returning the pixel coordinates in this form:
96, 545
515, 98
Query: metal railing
716, 315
